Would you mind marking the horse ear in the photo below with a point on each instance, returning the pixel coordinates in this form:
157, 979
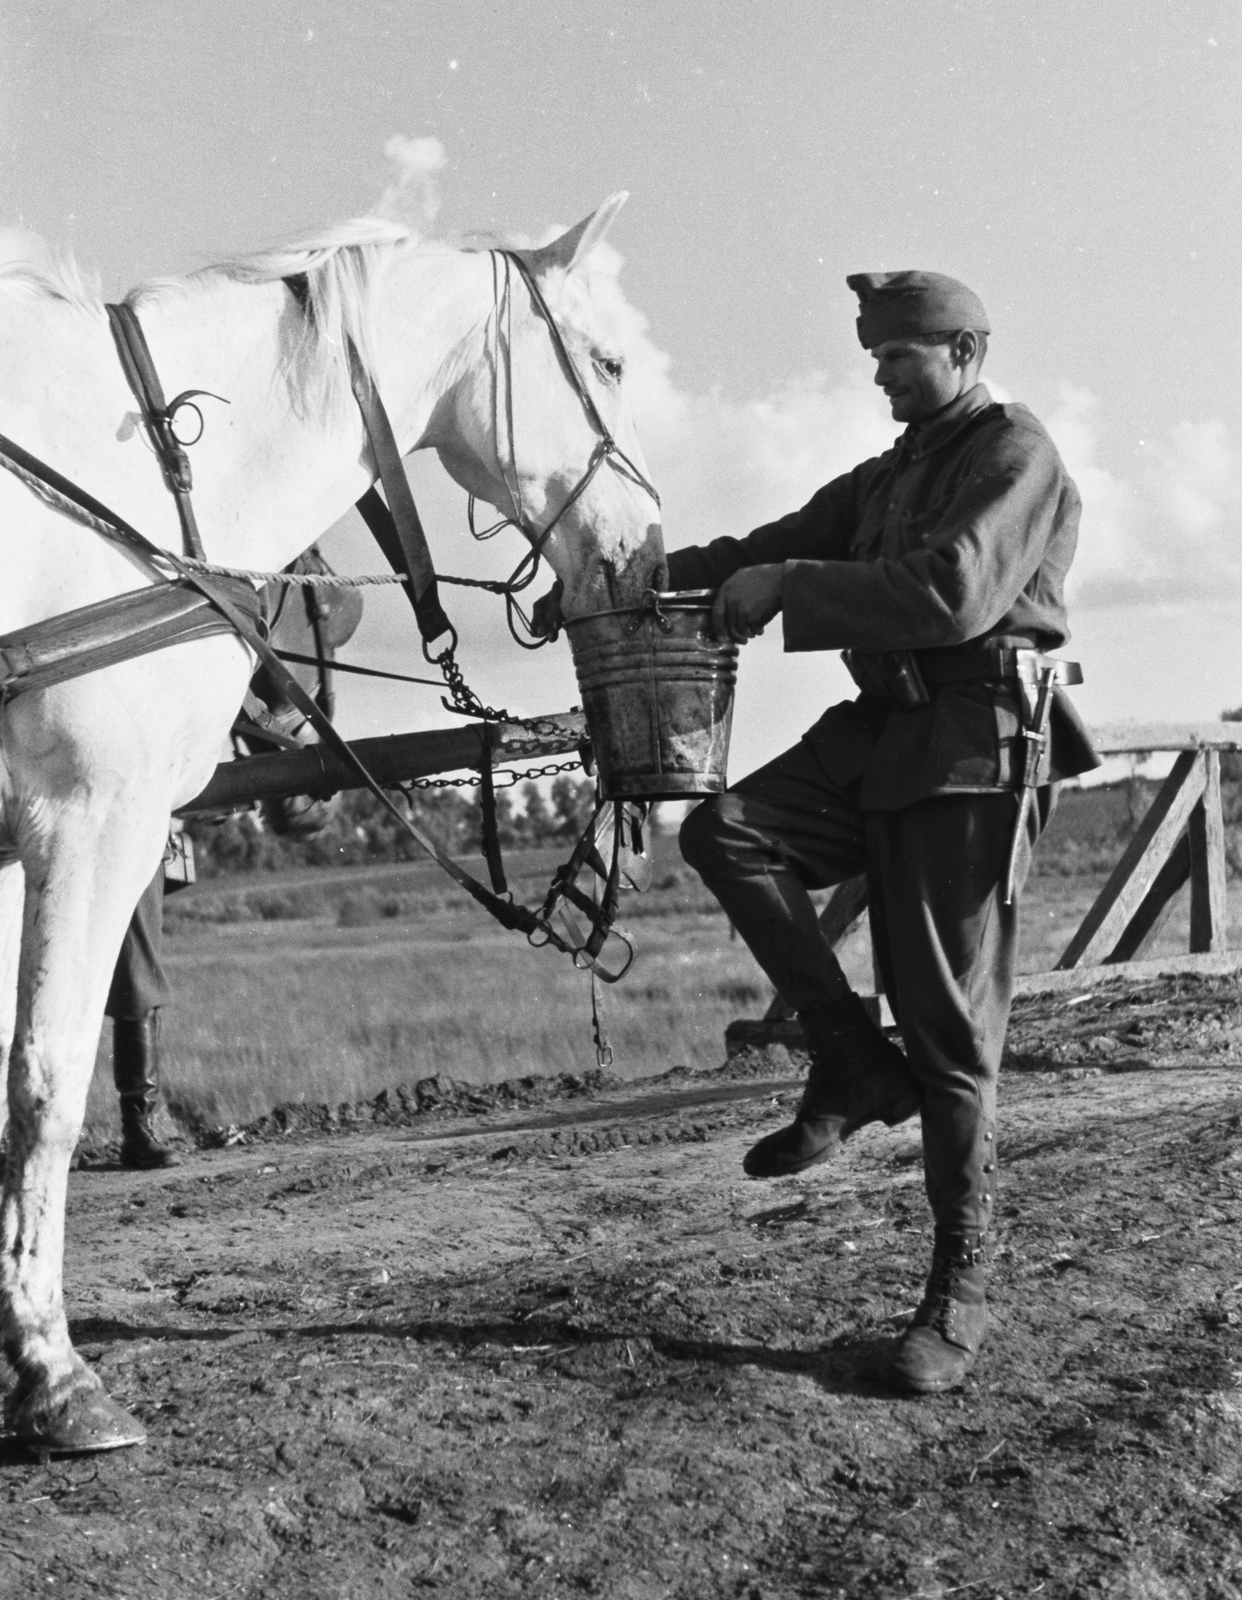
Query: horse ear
572, 248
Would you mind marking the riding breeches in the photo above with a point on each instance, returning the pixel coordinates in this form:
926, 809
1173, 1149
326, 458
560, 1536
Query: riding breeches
139, 983
945, 943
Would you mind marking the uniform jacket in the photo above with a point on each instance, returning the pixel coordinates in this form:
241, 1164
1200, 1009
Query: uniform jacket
961, 534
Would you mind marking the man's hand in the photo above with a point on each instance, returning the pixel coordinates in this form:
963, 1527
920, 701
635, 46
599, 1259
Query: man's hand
546, 619
747, 602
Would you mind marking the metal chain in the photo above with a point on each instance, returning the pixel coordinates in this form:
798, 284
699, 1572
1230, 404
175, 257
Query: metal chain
464, 698
528, 776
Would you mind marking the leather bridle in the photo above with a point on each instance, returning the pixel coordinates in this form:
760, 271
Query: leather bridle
606, 447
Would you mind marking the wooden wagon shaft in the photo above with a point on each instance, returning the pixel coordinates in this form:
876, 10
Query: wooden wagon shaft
395, 759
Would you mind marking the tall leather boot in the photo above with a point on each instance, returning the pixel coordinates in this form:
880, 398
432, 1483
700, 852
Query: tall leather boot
942, 1342
857, 1076
136, 1073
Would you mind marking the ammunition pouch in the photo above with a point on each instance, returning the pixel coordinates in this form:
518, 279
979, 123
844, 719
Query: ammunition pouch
893, 676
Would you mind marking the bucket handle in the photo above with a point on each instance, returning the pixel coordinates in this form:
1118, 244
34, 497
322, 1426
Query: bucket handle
650, 606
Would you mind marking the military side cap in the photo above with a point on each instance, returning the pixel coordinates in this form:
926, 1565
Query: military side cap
902, 305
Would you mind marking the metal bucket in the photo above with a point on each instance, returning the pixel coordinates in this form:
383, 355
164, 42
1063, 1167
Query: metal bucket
657, 690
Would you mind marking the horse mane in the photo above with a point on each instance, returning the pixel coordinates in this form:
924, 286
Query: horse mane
338, 266
61, 279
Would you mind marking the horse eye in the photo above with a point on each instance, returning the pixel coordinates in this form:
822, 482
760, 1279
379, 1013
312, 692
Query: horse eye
611, 368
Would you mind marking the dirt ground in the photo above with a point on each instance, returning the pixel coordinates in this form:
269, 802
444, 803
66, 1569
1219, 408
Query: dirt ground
566, 1349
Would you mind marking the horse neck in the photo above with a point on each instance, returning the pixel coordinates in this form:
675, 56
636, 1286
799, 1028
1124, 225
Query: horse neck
288, 454
431, 312
271, 471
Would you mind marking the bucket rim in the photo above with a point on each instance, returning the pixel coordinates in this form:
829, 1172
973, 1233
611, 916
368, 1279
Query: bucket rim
665, 600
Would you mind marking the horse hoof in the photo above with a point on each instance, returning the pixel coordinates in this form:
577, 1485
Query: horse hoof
82, 1423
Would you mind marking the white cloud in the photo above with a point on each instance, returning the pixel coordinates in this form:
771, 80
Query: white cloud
725, 465
1158, 534
412, 195
1165, 532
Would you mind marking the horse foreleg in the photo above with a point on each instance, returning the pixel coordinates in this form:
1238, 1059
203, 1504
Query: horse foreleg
78, 900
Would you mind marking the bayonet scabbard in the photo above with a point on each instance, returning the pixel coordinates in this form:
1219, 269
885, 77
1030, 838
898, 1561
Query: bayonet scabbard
1034, 741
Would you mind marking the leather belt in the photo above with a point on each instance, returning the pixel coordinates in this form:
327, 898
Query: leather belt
905, 680
994, 663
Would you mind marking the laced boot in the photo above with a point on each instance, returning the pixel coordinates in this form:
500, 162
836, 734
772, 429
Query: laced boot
857, 1076
136, 1073
939, 1347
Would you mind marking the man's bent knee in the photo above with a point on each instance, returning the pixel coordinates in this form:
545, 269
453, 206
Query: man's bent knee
733, 836
703, 835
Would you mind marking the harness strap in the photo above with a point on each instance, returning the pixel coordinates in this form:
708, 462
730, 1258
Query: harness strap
608, 445
77, 501
139, 369
257, 722
506, 912
120, 628
487, 805
397, 527
316, 615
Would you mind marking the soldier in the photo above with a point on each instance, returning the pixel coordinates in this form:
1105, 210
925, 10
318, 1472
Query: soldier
938, 568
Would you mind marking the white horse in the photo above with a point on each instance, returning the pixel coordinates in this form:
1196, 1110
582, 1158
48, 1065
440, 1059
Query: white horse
91, 769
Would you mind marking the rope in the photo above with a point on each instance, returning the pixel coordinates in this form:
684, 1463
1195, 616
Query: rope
331, 580
306, 580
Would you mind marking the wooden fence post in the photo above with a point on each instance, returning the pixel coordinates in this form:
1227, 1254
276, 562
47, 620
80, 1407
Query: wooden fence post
1206, 835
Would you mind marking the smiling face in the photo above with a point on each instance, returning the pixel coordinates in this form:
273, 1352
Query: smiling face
921, 377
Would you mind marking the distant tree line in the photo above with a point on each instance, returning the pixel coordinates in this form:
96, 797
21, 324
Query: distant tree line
359, 830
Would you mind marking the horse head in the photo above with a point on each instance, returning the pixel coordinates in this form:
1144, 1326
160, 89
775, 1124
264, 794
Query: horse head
541, 428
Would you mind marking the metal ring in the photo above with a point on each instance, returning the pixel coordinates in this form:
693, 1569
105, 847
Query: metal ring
171, 415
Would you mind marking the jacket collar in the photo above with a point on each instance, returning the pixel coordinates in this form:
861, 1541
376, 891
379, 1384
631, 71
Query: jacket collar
921, 438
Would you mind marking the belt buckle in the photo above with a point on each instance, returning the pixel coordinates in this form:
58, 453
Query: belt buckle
1025, 663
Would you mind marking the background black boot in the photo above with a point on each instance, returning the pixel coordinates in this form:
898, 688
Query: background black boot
136, 1073
942, 1342
857, 1076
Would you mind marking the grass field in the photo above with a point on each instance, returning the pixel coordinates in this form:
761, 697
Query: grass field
328, 985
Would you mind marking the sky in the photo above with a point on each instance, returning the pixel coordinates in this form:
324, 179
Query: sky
1074, 161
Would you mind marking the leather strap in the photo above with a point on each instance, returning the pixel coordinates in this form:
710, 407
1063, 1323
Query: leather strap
994, 663
76, 502
121, 628
139, 369
492, 853
397, 527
